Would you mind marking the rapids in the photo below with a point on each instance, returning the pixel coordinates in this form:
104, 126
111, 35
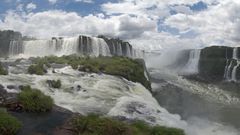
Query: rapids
94, 93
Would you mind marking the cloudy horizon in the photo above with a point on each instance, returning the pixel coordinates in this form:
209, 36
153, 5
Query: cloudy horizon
152, 24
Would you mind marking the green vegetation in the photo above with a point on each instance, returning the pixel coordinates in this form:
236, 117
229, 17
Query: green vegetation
130, 69
54, 84
9, 125
37, 69
33, 100
2, 70
94, 125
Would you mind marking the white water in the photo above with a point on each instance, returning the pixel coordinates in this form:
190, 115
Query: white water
69, 46
128, 51
231, 69
100, 47
235, 53
193, 62
234, 72
93, 93
82, 45
14, 48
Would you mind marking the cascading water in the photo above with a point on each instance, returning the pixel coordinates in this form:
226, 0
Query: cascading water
128, 51
100, 47
69, 46
15, 48
83, 45
234, 72
119, 49
232, 66
192, 65
38, 48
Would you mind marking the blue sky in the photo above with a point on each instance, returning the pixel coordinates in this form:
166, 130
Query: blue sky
82, 8
140, 21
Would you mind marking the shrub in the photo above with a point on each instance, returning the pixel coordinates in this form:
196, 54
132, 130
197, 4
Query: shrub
95, 125
159, 130
2, 70
54, 84
37, 69
9, 125
132, 70
33, 100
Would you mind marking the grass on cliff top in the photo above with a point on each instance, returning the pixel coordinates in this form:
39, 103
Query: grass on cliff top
95, 125
130, 69
9, 125
2, 70
33, 100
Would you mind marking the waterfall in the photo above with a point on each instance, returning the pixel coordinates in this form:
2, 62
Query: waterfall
119, 49
192, 65
228, 71
100, 47
128, 50
235, 53
38, 48
15, 48
81, 45
114, 48
234, 72
69, 46
231, 70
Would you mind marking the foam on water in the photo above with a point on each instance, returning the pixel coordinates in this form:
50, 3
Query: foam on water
98, 93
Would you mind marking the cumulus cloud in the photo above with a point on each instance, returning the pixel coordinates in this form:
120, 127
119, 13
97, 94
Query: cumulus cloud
31, 6
61, 23
140, 22
52, 1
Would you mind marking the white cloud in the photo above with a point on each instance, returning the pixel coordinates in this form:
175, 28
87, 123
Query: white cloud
31, 6
137, 21
85, 1
61, 23
52, 1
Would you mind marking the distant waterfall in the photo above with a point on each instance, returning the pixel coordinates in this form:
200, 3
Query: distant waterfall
192, 65
81, 45
231, 67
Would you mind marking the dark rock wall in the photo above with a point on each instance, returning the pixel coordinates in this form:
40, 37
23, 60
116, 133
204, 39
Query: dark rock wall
5, 39
213, 61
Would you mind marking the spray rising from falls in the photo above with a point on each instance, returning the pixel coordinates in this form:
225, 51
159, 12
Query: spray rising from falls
231, 67
83, 45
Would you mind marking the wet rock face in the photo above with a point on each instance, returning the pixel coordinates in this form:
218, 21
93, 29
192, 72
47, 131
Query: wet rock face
5, 39
214, 61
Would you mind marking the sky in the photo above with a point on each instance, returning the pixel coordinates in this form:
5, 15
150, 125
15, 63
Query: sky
150, 24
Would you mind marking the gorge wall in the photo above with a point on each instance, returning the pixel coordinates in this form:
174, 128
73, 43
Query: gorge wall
212, 64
